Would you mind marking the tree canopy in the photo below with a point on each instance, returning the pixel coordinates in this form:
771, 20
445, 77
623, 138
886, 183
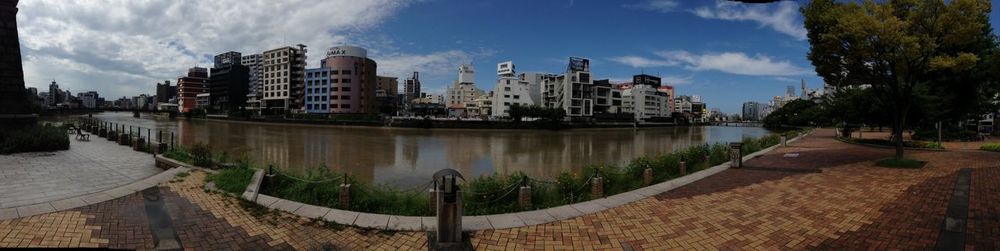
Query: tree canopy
902, 48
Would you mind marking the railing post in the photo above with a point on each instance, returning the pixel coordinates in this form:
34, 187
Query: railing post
736, 154
647, 176
432, 193
449, 213
345, 193
597, 187
784, 140
524, 194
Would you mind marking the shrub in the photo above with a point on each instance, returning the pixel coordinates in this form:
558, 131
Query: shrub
233, 180
900, 163
990, 147
201, 154
34, 139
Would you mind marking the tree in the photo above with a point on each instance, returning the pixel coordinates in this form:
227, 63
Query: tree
894, 47
797, 112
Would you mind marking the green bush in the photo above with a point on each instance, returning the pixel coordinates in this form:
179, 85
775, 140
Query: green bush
34, 139
990, 147
201, 154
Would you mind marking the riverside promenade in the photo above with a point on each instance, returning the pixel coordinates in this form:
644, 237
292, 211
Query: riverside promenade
816, 193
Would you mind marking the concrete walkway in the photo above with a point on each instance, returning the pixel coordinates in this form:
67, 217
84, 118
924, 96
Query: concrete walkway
87, 167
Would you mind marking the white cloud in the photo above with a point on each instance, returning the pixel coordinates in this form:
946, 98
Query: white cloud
783, 16
641, 62
654, 5
733, 62
123, 47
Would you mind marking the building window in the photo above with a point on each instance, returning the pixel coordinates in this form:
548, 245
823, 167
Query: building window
347, 72
345, 97
333, 106
346, 80
346, 89
334, 97
346, 106
334, 81
322, 106
333, 89
517, 96
334, 72
309, 106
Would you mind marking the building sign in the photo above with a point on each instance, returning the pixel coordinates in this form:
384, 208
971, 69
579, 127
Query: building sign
347, 51
505, 68
579, 64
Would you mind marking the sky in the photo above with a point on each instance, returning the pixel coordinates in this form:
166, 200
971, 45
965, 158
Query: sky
726, 52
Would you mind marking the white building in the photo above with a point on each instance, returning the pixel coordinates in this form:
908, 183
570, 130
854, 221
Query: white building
89, 99
284, 73
462, 92
523, 89
645, 101
573, 91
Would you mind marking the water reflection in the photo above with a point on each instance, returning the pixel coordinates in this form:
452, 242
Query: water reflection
408, 157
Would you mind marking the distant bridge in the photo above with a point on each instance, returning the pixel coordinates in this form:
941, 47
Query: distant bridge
738, 124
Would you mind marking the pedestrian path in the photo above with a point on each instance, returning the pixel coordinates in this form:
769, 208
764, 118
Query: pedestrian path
87, 167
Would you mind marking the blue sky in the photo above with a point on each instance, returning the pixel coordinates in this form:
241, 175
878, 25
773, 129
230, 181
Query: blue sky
726, 52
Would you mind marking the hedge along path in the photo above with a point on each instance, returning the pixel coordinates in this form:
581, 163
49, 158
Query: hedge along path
487, 222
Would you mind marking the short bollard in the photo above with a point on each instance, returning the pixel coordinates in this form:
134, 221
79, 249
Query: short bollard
345, 195
449, 213
647, 176
736, 154
784, 140
708, 161
161, 148
597, 187
524, 197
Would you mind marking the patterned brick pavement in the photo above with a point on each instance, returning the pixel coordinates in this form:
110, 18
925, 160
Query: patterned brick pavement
828, 197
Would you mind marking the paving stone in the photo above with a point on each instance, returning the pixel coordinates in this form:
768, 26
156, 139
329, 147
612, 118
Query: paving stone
25, 211
96, 198
341, 216
367, 220
535, 217
588, 207
68, 203
501, 221
286, 205
310, 211
7, 213
266, 200
405, 223
473, 223
563, 212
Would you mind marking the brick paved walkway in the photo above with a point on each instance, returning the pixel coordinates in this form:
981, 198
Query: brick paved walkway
87, 167
828, 197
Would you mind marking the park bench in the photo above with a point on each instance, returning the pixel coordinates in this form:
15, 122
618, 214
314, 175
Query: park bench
81, 136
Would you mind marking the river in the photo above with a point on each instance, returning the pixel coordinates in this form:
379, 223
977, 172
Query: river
405, 157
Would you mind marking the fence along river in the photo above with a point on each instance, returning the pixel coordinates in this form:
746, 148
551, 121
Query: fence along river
405, 157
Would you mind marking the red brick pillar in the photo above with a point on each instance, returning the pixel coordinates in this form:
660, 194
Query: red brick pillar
524, 197
345, 196
597, 187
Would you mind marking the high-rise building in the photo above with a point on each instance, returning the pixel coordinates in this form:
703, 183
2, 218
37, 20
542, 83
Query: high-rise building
56, 96
647, 98
188, 88
607, 97
790, 91
523, 89
352, 80
752, 111
89, 99
165, 92
462, 92
284, 79
318, 90
412, 88
228, 82
386, 93
255, 66
573, 91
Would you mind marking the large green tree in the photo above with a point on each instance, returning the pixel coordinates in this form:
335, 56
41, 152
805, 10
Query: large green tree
894, 46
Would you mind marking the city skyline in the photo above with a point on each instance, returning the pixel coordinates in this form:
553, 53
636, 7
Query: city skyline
761, 51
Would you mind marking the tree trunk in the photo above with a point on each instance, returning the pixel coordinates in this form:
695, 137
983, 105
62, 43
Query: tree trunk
897, 134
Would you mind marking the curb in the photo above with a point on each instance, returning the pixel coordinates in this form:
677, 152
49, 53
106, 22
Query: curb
487, 222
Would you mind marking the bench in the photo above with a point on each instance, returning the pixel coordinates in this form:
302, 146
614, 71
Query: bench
83, 137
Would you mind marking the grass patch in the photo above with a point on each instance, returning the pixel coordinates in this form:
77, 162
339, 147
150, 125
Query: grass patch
990, 147
900, 163
233, 180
